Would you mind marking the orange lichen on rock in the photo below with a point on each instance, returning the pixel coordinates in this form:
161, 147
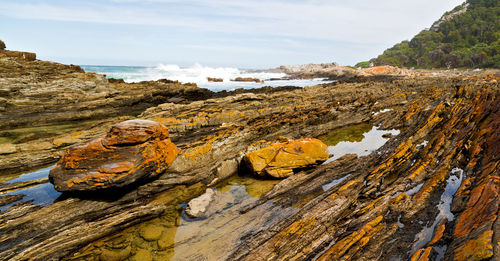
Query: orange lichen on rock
482, 208
476, 249
167, 121
422, 254
383, 70
154, 155
280, 159
414, 108
433, 91
369, 206
432, 121
431, 184
362, 235
132, 150
296, 228
194, 153
438, 234
400, 155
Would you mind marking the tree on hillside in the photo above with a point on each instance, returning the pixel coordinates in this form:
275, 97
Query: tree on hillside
467, 36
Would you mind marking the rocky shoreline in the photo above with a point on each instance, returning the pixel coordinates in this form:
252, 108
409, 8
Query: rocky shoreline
385, 205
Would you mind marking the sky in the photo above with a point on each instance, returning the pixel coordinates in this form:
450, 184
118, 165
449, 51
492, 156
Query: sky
231, 33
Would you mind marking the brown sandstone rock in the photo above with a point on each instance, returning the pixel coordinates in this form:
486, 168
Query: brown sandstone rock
151, 232
132, 150
16, 54
248, 79
7, 148
210, 79
280, 159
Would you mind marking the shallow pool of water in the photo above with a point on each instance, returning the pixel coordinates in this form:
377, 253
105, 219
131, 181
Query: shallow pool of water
444, 205
334, 182
361, 139
175, 236
42, 194
37, 174
217, 235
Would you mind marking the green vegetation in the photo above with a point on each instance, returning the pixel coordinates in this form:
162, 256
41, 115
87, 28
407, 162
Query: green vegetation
365, 64
467, 36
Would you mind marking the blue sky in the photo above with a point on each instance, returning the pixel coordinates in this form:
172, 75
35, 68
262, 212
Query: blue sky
241, 33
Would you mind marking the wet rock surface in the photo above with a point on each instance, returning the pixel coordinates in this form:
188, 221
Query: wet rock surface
132, 150
281, 159
398, 202
370, 216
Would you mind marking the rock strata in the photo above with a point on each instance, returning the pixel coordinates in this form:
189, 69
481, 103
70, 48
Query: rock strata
281, 159
372, 207
132, 150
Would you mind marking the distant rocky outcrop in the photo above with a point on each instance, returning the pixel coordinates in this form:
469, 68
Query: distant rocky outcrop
2, 45
448, 16
383, 70
131, 151
281, 159
247, 79
210, 79
308, 67
334, 71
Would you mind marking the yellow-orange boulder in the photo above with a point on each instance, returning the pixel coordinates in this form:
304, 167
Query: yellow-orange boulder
131, 151
280, 159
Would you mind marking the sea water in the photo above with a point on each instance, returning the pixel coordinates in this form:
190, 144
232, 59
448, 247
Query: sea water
198, 74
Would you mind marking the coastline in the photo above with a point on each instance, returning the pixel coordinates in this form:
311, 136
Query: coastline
213, 129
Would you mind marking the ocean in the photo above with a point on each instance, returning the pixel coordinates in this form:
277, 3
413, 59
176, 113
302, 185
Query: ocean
198, 74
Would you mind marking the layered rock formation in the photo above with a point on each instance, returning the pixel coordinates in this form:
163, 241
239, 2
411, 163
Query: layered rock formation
132, 150
416, 200
429, 192
35, 93
281, 159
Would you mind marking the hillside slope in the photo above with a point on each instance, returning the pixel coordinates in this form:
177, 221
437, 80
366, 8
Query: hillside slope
467, 36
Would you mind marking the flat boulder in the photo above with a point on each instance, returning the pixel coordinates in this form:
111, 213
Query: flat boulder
132, 150
197, 207
280, 159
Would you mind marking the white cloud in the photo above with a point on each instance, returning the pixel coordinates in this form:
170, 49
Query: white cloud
309, 30
354, 21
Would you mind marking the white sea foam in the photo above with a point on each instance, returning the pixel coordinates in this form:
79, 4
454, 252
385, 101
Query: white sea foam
198, 74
